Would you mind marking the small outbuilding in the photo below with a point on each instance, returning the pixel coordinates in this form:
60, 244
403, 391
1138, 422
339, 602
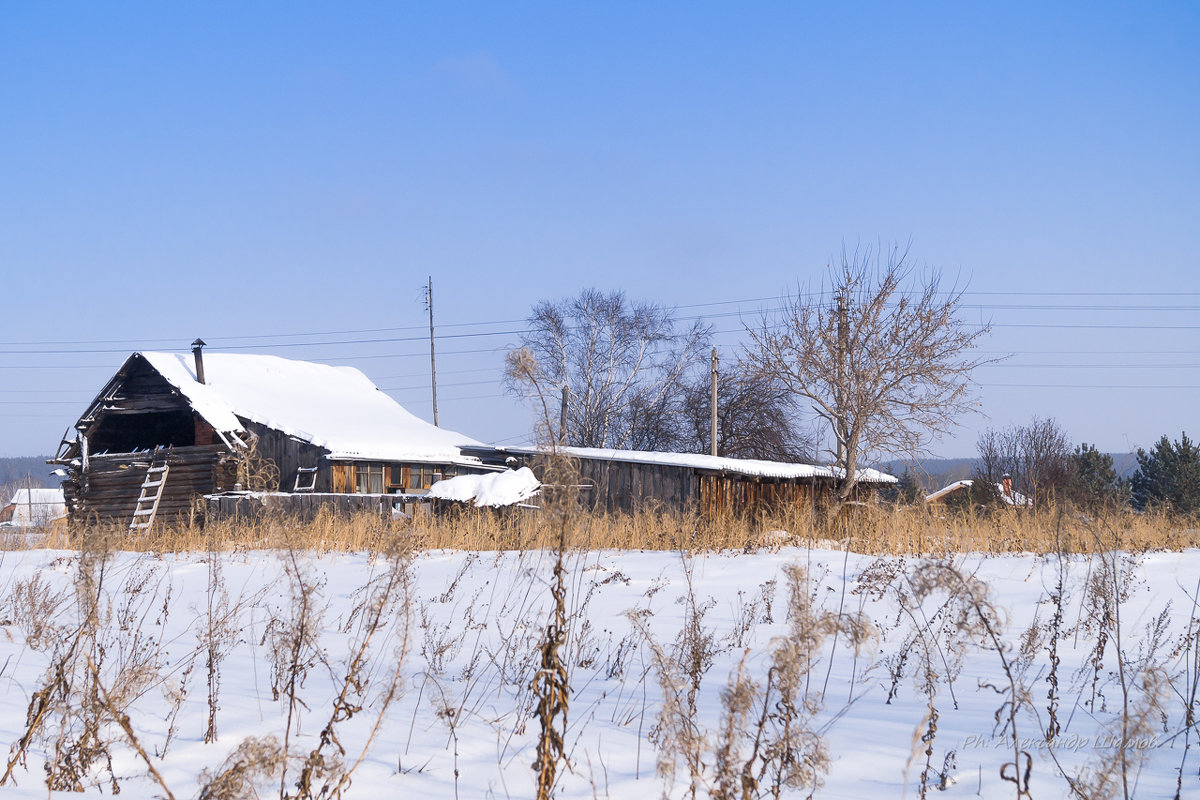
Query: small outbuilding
33, 507
1004, 490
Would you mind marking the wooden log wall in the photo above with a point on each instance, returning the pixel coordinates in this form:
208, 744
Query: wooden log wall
632, 486
738, 496
625, 486
110, 489
302, 507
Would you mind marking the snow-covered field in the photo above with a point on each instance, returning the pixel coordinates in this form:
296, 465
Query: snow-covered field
465, 628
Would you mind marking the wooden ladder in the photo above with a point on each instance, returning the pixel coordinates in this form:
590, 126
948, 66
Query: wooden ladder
152, 492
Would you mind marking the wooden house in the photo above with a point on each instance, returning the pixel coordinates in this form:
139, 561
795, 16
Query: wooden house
169, 428
33, 507
713, 486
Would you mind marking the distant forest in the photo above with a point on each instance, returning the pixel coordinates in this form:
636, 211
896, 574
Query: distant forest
15, 471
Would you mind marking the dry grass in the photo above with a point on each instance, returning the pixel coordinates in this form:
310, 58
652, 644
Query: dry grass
761, 736
878, 530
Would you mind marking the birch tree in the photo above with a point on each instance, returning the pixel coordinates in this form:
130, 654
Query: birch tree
882, 357
624, 365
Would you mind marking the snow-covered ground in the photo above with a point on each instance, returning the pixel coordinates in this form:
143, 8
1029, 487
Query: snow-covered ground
463, 721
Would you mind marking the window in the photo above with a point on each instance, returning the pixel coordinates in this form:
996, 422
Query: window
416, 477
396, 482
423, 476
368, 478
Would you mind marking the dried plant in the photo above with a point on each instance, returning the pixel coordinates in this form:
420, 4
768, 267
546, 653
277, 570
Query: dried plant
552, 688
295, 645
65, 710
324, 773
217, 636
967, 614
253, 762
255, 472
1188, 651
34, 605
768, 740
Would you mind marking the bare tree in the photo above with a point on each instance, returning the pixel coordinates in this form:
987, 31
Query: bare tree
1037, 456
885, 366
623, 365
756, 418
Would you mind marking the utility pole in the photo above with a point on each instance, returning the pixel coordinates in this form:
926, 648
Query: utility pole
843, 335
432, 356
562, 415
713, 401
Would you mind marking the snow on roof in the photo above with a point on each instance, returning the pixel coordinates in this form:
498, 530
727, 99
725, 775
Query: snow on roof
493, 489
33, 507
738, 466
1011, 497
337, 408
945, 490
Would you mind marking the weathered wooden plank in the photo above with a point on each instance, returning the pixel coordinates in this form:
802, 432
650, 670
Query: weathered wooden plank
341, 477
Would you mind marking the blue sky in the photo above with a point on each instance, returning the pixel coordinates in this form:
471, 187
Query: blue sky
233, 171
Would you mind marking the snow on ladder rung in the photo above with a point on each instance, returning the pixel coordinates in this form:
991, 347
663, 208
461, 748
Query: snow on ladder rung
141, 512
149, 485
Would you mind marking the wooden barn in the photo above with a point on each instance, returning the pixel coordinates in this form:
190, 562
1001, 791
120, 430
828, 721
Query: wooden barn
169, 428
631, 480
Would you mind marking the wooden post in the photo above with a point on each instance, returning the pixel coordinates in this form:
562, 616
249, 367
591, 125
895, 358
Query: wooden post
713, 401
432, 357
839, 428
562, 416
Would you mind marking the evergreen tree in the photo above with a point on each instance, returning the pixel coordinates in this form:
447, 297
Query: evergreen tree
1094, 480
909, 488
1168, 475
906, 491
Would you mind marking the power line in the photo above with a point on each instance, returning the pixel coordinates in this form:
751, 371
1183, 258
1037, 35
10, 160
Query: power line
1087, 386
440, 372
385, 340
1089, 366
38, 403
1091, 352
518, 331
329, 359
717, 303
422, 387
454, 399
1098, 327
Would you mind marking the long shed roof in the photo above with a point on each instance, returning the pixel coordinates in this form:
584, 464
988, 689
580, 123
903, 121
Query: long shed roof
737, 466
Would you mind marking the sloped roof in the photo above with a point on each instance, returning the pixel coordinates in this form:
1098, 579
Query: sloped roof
36, 506
738, 466
337, 408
